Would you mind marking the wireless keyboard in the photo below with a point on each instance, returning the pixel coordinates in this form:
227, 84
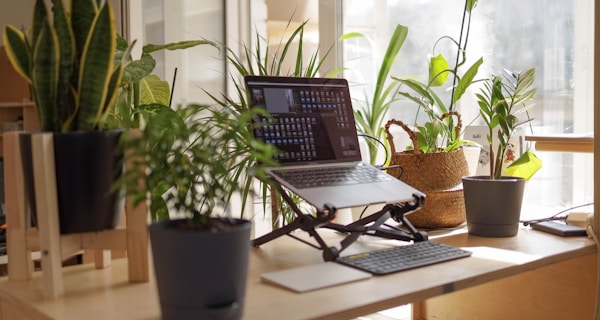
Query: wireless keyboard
400, 258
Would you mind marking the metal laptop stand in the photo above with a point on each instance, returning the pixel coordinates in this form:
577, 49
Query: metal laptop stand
370, 225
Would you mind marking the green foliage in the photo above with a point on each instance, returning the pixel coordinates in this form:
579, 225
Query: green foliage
192, 158
139, 87
424, 95
369, 119
501, 100
261, 60
67, 59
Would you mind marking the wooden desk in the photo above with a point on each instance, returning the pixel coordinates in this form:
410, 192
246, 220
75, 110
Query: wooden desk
107, 294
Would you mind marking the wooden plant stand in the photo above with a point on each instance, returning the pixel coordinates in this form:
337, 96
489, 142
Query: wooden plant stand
22, 239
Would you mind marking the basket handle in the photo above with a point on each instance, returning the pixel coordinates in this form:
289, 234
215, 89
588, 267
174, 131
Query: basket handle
458, 128
411, 135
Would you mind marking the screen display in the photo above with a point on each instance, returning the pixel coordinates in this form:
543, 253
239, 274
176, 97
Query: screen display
311, 118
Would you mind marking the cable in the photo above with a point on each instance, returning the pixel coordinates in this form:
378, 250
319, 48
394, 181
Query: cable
555, 216
380, 143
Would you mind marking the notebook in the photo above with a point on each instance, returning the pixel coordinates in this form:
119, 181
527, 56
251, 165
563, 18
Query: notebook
312, 124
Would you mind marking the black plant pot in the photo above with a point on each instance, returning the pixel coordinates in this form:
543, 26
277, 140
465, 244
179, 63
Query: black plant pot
201, 274
87, 166
493, 207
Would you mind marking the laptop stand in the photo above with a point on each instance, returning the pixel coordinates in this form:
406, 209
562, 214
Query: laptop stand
370, 225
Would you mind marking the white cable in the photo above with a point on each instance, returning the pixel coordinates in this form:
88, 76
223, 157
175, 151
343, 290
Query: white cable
590, 231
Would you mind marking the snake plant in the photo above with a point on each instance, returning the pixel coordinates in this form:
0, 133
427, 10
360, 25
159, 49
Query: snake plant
68, 60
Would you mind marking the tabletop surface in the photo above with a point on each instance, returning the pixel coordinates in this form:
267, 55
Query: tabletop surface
107, 294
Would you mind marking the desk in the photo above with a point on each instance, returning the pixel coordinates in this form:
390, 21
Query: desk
107, 294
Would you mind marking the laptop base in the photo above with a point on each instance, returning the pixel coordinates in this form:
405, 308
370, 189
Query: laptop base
370, 225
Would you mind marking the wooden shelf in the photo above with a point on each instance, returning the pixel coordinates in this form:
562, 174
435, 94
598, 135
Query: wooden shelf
568, 142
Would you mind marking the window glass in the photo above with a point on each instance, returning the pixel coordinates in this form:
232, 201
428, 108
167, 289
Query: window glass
555, 36
199, 68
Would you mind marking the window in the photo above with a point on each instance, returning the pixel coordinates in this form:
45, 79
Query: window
555, 36
198, 68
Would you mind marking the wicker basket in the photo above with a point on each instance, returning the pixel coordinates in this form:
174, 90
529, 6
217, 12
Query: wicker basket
434, 171
442, 209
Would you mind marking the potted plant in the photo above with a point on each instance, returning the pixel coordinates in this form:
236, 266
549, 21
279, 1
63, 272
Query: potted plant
67, 59
200, 251
260, 60
435, 162
493, 202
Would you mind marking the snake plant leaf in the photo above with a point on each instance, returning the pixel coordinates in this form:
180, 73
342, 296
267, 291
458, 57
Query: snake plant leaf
45, 75
525, 166
18, 51
83, 13
66, 41
438, 71
113, 88
96, 69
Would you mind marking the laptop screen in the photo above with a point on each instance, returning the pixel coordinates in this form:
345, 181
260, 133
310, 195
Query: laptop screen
312, 119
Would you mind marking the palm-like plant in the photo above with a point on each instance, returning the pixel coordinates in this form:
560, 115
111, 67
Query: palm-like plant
369, 118
260, 60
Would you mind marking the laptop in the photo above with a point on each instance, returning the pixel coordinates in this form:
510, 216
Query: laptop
312, 125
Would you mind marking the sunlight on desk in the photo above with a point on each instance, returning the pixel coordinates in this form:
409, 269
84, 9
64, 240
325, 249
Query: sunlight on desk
502, 255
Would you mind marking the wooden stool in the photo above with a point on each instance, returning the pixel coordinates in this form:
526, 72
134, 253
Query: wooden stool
22, 239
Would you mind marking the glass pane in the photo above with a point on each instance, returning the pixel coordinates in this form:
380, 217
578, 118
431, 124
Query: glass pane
199, 68
508, 34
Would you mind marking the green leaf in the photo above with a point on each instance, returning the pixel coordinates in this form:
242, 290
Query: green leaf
438, 71
96, 69
149, 48
45, 76
466, 80
351, 35
154, 91
18, 51
525, 166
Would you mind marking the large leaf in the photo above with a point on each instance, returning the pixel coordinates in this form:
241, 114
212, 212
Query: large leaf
438, 71
466, 80
64, 107
18, 51
149, 48
154, 91
45, 76
96, 69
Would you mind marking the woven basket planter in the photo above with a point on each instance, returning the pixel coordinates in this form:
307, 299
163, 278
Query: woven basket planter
442, 209
434, 171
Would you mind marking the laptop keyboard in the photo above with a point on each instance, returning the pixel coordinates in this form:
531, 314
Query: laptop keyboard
400, 258
332, 176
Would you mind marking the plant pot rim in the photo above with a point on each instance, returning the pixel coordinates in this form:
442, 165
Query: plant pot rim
487, 178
